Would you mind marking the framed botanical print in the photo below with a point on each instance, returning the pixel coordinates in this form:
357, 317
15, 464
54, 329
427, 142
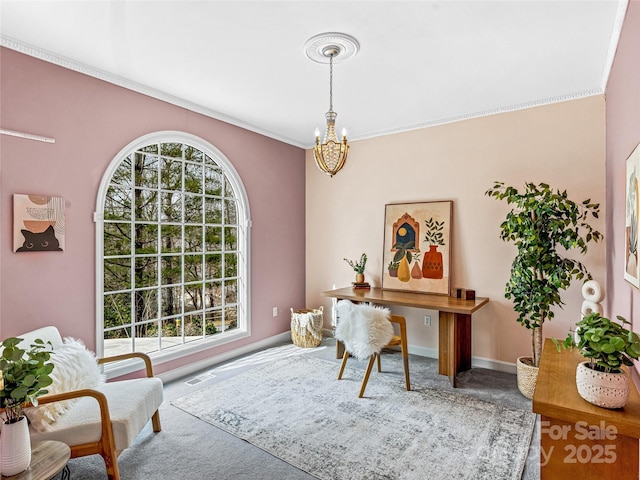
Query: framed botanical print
632, 209
417, 247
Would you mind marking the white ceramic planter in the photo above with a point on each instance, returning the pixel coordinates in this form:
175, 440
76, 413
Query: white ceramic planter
15, 447
608, 390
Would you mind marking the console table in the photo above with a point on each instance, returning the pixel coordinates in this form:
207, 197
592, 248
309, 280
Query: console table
454, 329
577, 439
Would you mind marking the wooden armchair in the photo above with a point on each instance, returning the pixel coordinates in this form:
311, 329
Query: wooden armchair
103, 420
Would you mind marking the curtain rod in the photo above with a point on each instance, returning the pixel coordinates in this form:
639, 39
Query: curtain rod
29, 136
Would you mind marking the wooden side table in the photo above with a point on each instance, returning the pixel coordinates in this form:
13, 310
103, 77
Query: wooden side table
578, 439
48, 458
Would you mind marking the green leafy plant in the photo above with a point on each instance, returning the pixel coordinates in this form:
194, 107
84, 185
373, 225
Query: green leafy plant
358, 267
24, 374
404, 250
544, 225
393, 265
434, 234
607, 344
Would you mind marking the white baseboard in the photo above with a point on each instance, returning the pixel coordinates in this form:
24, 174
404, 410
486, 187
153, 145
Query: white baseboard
500, 366
476, 362
192, 368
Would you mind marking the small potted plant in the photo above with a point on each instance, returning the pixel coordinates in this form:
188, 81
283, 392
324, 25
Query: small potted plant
24, 374
607, 346
358, 267
393, 268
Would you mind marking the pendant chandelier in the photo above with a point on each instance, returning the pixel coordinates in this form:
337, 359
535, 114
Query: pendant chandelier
331, 154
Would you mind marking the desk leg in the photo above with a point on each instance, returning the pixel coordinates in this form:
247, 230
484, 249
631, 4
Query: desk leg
567, 452
454, 344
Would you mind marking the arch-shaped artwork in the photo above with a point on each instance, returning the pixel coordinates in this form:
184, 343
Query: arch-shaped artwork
406, 229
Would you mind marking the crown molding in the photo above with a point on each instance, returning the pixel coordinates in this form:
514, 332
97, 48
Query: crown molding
613, 44
484, 113
69, 64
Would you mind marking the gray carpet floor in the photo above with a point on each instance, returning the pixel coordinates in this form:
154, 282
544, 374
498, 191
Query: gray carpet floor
192, 449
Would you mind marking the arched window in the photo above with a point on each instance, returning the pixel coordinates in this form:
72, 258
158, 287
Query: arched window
172, 236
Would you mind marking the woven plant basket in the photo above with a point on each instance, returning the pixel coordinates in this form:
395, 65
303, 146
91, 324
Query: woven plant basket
306, 327
527, 376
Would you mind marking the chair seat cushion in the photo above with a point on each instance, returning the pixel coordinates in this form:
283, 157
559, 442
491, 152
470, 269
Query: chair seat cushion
131, 405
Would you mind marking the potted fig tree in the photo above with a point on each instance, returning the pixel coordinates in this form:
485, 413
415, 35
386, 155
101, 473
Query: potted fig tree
606, 346
545, 225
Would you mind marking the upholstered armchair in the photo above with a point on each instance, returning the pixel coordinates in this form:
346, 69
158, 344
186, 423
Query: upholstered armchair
86, 413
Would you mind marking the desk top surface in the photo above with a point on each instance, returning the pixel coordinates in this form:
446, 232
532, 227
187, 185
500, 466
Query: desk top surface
441, 303
556, 394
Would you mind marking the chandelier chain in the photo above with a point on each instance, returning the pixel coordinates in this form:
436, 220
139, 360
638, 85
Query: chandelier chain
331, 83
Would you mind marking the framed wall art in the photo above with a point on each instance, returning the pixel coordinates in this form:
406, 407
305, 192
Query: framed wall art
632, 209
38, 223
417, 247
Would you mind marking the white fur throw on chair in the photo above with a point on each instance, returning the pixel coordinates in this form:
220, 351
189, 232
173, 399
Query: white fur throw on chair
363, 328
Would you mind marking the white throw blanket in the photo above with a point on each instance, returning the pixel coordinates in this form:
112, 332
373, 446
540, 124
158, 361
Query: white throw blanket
363, 328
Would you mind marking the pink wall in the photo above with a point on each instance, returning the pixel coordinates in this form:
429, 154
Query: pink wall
91, 121
623, 134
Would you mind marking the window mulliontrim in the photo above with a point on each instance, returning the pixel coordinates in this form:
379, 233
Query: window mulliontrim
243, 244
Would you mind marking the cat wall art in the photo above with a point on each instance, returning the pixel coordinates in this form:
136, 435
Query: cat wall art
38, 223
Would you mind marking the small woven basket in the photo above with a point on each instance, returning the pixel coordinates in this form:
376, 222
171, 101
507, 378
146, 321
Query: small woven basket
527, 377
306, 327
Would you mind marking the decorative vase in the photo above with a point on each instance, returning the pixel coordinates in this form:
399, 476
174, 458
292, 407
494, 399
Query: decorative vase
404, 273
607, 390
527, 376
359, 277
416, 271
432, 263
15, 447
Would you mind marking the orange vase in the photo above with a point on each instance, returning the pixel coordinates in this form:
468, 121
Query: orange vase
432, 263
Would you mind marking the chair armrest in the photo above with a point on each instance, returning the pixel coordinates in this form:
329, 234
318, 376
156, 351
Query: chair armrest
127, 356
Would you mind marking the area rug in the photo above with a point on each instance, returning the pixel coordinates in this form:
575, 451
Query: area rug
296, 410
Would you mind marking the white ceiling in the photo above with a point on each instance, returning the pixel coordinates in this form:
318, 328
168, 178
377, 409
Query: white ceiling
420, 63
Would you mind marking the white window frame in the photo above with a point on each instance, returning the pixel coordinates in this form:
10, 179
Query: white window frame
243, 329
